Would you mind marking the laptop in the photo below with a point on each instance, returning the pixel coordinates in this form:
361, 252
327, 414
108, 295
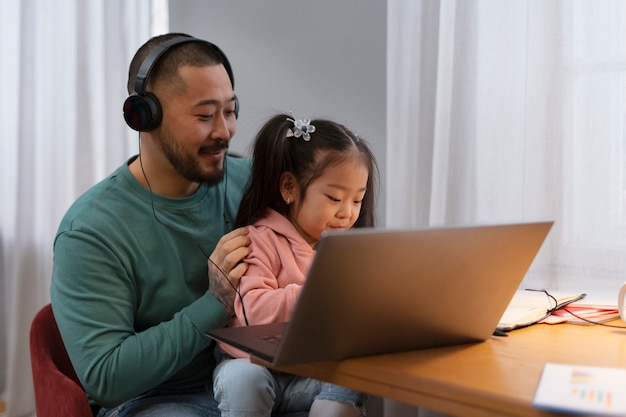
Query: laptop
379, 291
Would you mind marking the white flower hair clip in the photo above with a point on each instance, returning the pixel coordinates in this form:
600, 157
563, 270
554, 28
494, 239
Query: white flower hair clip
301, 127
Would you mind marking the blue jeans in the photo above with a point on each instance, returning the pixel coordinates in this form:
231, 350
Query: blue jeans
244, 389
196, 402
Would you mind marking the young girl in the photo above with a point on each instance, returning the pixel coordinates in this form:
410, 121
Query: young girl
307, 177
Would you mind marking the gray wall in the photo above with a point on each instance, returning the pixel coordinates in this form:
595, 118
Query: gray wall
321, 58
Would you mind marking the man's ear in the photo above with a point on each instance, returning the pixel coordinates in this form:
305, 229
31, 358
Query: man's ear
288, 186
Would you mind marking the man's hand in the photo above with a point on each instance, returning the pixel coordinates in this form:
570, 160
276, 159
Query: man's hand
226, 268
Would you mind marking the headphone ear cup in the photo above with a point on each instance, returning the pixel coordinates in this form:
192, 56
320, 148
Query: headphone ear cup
142, 112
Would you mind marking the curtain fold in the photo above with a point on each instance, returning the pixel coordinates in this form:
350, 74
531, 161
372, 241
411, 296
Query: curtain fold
63, 81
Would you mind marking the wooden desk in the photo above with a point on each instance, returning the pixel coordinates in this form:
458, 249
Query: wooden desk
494, 378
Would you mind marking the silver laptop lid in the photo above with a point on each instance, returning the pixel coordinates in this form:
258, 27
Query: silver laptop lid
375, 291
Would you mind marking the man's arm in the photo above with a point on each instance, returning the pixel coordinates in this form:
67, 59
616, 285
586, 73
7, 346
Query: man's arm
126, 336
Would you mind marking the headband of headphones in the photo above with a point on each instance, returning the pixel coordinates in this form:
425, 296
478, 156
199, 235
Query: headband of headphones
142, 110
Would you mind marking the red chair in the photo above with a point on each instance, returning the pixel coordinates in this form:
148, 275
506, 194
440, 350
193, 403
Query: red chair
58, 392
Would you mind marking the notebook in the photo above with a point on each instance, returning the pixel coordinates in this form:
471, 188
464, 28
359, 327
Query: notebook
378, 291
532, 306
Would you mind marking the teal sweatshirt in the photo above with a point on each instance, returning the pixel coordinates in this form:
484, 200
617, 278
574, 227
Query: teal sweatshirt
130, 288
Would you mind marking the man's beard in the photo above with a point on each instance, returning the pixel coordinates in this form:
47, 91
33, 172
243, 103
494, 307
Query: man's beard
186, 164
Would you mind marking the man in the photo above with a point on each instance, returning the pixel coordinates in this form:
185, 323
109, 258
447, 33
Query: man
133, 289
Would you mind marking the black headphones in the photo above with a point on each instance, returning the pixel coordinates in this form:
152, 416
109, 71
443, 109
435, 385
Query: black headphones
142, 110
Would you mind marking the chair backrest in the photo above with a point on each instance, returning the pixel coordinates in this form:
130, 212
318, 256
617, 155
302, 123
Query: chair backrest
58, 391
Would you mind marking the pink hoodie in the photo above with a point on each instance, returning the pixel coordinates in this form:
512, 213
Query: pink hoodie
277, 266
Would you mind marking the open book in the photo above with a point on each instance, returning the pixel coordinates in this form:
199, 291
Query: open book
531, 306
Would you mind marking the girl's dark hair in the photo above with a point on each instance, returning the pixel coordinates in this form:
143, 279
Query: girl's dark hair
274, 153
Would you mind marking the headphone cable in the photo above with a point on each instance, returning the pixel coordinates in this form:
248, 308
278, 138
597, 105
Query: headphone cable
222, 272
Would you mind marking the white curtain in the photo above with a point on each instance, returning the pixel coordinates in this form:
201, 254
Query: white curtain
513, 111
508, 111
62, 85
